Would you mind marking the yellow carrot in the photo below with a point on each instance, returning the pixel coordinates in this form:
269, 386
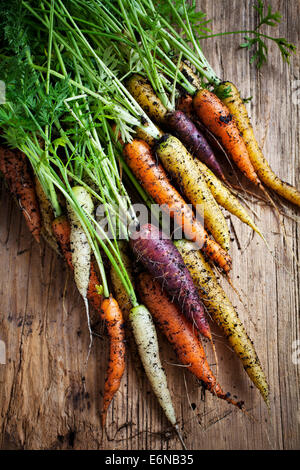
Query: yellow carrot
225, 198
142, 92
237, 108
182, 166
224, 314
155, 181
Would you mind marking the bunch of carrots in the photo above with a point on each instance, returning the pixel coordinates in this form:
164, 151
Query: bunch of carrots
109, 89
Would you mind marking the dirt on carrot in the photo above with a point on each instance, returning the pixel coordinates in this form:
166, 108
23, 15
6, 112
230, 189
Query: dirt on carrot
113, 318
180, 333
155, 181
14, 167
217, 118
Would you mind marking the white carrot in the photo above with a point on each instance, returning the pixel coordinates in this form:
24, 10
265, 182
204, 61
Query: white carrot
146, 340
80, 248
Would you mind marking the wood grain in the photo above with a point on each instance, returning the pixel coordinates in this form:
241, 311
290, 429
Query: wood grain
47, 398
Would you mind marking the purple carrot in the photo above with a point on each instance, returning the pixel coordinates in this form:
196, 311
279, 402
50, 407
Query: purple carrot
161, 258
194, 140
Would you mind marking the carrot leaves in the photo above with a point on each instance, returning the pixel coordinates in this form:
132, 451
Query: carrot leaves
267, 17
197, 19
260, 55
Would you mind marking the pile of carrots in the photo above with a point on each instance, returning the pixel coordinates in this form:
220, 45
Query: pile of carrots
174, 280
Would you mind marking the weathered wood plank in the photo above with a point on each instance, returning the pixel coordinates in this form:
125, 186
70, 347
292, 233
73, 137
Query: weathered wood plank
48, 400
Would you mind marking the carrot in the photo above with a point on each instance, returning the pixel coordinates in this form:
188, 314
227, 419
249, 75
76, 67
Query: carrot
125, 304
143, 135
47, 216
180, 333
121, 294
185, 104
237, 108
146, 340
112, 315
181, 165
184, 128
140, 133
225, 198
154, 180
14, 167
217, 118
176, 121
224, 314
146, 344
160, 257
62, 229
145, 337
192, 77
142, 92
80, 248
93, 295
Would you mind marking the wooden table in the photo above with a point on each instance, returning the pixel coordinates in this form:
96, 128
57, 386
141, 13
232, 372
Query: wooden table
48, 399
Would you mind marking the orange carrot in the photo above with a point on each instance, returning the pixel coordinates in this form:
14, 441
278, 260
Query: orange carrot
180, 333
47, 215
62, 229
93, 294
237, 108
112, 315
155, 181
15, 169
217, 118
185, 104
